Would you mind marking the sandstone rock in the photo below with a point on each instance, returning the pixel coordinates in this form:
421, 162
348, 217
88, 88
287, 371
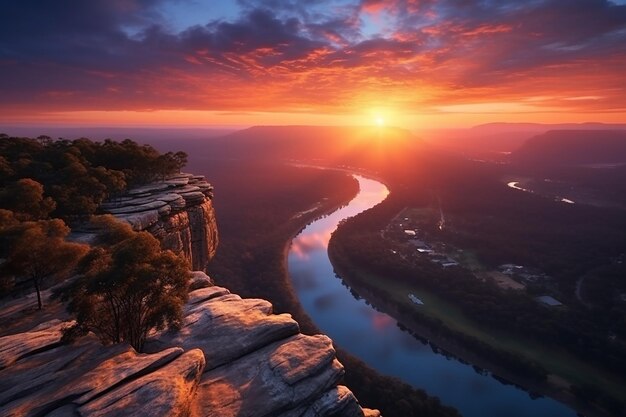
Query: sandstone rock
178, 213
177, 181
141, 221
165, 210
148, 189
178, 204
76, 373
262, 383
194, 197
181, 175
199, 280
227, 327
15, 346
338, 401
52, 372
203, 294
166, 392
151, 205
118, 368
187, 189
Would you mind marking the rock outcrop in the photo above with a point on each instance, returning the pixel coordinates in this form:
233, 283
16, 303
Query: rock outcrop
178, 211
232, 357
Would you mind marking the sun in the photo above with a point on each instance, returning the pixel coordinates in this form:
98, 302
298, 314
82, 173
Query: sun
380, 121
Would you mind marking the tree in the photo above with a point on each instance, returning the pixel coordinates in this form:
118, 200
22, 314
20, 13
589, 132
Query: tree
39, 252
26, 199
129, 288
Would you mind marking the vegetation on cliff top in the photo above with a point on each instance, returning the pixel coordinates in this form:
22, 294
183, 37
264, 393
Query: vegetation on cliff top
47, 183
70, 178
127, 286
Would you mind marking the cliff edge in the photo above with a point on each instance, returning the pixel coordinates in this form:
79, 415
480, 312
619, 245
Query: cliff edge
232, 357
178, 211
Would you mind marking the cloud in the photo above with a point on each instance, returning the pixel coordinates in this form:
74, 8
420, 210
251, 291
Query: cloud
327, 55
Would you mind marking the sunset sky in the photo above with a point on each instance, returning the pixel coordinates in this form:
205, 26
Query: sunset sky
410, 63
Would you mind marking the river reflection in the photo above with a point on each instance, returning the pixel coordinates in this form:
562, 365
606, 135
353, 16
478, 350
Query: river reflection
376, 338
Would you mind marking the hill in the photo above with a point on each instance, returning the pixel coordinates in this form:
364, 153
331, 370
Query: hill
488, 140
573, 147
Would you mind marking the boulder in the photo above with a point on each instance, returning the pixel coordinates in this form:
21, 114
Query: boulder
226, 327
167, 392
338, 401
276, 378
200, 280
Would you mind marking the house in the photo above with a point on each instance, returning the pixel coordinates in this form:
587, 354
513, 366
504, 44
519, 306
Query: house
415, 300
548, 300
419, 244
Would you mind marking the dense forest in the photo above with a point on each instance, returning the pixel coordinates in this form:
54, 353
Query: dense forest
500, 225
46, 185
70, 178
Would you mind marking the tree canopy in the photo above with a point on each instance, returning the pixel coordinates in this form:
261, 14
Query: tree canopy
70, 179
36, 251
129, 287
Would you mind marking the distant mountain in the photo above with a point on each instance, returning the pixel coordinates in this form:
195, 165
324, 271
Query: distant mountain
541, 127
573, 147
493, 138
332, 144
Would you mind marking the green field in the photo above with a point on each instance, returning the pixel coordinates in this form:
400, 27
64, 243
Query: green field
555, 361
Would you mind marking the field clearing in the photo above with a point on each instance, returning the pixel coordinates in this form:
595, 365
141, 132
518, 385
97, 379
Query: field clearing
558, 362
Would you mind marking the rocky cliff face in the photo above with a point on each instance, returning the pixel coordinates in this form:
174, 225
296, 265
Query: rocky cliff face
232, 357
178, 211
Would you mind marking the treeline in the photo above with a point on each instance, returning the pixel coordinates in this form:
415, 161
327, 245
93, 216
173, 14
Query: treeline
520, 366
69, 179
573, 328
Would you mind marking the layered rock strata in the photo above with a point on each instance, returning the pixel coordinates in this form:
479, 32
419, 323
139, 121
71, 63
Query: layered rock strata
178, 211
232, 357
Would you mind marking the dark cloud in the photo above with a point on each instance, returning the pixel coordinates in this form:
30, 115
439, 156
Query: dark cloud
120, 53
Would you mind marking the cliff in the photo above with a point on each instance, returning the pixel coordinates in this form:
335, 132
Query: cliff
178, 211
232, 357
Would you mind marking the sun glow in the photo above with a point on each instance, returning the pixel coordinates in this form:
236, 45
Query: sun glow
380, 121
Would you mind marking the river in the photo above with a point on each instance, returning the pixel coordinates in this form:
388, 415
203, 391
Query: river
375, 337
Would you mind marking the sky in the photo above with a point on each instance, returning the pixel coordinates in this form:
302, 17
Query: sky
410, 63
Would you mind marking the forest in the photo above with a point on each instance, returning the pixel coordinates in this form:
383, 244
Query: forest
48, 185
499, 226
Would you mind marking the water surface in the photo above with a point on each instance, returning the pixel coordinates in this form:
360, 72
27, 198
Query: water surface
375, 337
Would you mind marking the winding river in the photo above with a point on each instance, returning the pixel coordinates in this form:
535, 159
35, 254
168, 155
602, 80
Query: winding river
375, 337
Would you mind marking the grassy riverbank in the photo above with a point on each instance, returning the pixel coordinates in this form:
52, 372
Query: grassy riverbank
436, 314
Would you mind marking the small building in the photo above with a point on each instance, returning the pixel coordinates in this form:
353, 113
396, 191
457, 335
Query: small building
419, 244
415, 300
548, 300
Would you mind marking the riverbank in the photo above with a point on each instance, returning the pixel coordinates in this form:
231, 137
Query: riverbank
553, 387
256, 232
